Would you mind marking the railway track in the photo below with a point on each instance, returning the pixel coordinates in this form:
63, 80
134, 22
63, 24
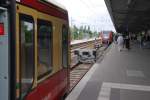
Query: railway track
78, 70
81, 45
77, 74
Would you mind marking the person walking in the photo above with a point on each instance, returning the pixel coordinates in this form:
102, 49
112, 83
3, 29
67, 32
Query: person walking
120, 42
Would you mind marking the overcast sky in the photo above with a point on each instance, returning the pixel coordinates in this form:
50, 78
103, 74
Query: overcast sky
88, 12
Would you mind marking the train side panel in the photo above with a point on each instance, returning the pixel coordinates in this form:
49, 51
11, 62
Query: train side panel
55, 84
50, 89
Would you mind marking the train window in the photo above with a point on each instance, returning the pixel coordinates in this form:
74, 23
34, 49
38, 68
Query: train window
44, 48
26, 53
64, 46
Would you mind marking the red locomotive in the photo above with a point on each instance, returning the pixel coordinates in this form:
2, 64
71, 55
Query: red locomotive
106, 37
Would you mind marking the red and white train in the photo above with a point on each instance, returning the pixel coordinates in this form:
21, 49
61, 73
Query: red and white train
34, 50
106, 37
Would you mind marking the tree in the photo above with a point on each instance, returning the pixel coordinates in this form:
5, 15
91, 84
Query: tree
74, 32
82, 32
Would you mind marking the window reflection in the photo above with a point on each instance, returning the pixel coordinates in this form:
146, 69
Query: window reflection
27, 56
44, 48
65, 46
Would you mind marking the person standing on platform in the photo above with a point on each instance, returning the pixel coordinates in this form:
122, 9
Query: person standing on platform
141, 40
127, 42
120, 42
115, 38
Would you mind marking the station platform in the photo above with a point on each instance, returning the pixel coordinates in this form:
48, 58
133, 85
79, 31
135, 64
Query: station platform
118, 75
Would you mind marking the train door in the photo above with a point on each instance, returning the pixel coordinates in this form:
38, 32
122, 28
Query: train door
4, 54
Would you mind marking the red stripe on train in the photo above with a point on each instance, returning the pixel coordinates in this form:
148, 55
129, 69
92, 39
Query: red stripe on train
46, 8
51, 89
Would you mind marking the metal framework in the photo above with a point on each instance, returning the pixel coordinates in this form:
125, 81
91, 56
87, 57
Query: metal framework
129, 15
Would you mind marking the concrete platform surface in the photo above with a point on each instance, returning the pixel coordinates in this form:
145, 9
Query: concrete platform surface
121, 75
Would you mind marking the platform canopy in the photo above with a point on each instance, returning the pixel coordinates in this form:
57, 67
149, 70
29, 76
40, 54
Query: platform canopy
129, 15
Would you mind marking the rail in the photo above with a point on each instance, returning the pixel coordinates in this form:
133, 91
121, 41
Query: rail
89, 44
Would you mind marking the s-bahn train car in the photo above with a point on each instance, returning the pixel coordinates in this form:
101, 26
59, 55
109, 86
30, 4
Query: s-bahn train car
106, 37
34, 50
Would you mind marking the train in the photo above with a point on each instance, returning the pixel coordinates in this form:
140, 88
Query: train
106, 37
34, 50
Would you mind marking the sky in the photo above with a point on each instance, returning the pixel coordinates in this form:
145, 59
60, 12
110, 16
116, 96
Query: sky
88, 12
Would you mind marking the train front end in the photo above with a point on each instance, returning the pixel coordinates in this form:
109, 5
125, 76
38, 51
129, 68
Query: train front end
7, 49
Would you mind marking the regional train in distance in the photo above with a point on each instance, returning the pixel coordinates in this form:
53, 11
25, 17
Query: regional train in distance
106, 37
34, 50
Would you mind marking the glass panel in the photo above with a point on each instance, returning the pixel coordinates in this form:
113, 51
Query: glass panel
64, 47
27, 56
44, 49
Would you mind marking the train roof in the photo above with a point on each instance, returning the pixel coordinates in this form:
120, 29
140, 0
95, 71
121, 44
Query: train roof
56, 4
106, 31
50, 7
